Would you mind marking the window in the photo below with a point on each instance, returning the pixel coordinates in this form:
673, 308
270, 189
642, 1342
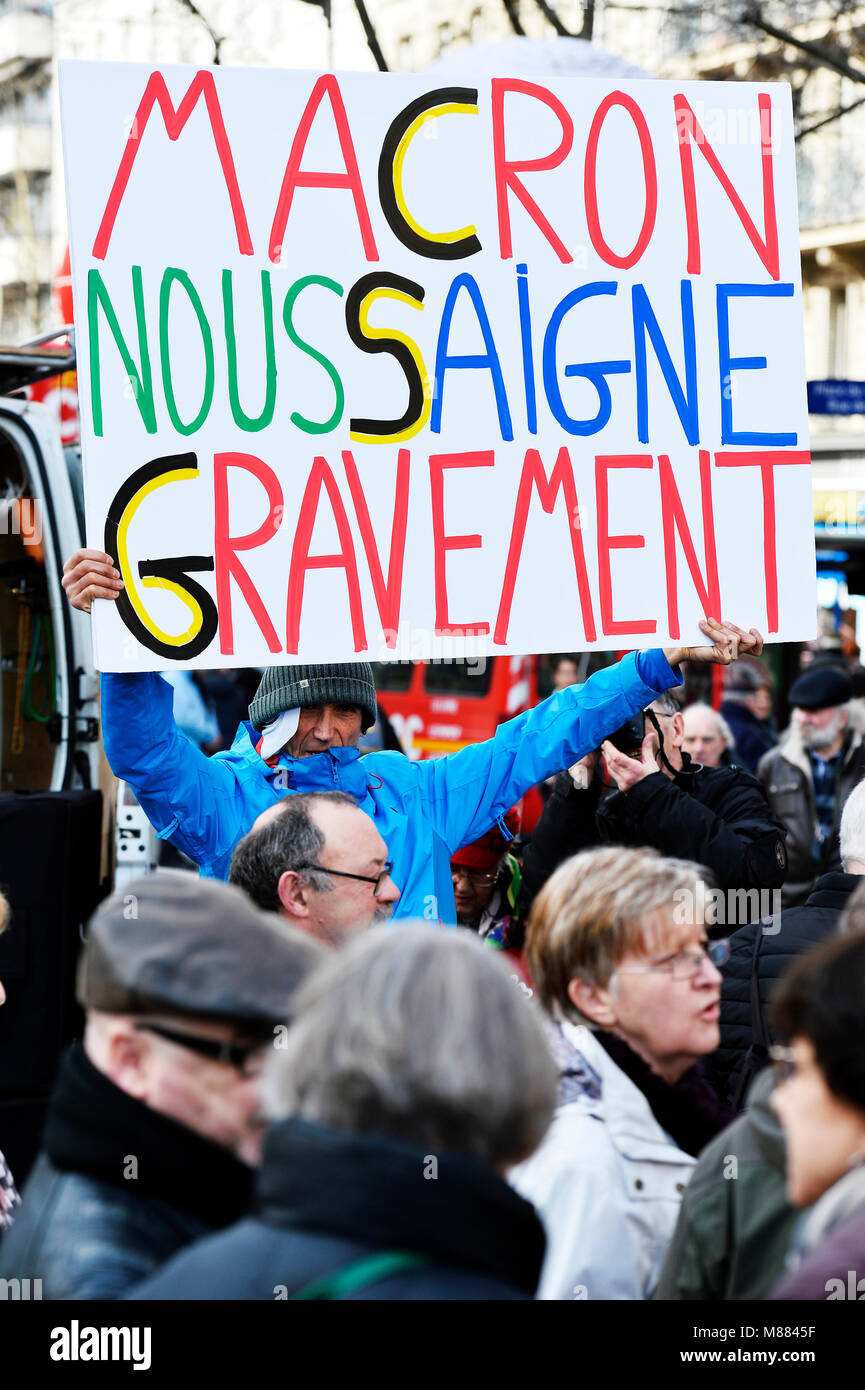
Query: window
459, 677
838, 332
393, 675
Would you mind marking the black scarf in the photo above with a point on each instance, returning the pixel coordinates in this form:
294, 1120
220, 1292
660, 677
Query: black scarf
371, 1189
94, 1128
690, 1112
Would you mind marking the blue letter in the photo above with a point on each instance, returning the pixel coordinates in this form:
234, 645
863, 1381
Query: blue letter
593, 371
685, 402
526, 336
729, 364
489, 359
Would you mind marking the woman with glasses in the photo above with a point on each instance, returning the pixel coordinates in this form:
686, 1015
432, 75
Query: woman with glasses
819, 1009
619, 959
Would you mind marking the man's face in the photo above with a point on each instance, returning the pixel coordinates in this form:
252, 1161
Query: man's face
325, 726
218, 1100
702, 740
822, 729
673, 729
472, 891
822, 1131
352, 845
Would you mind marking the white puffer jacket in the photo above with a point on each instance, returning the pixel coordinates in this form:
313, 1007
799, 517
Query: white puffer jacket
607, 1183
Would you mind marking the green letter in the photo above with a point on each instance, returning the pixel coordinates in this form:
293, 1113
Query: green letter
142, 385
247, 422
313, 426
183, 279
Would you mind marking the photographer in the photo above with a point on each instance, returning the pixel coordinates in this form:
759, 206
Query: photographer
652, 794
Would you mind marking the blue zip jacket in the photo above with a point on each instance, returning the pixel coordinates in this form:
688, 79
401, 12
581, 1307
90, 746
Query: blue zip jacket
424, 810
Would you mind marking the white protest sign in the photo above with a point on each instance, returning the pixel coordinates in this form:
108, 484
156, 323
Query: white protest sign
373, 367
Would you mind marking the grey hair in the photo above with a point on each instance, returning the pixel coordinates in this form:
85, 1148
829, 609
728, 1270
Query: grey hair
723, 727
418, 1035
852, 832
289, 840
598, 907
665, 703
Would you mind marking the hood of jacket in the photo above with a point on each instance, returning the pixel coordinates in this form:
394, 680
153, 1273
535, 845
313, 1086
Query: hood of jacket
382, 1193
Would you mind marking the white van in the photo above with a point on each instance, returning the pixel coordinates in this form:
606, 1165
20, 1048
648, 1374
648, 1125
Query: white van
49, 707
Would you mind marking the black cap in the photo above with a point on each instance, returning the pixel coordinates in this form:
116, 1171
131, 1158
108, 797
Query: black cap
821, 689
178, 944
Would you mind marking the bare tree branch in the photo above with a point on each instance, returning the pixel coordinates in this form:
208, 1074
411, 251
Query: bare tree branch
514, 18
588, 26
371, 36
826, 57
550, 15
202, 19
827, 120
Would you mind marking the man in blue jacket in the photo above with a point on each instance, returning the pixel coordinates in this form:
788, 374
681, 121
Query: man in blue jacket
302, 735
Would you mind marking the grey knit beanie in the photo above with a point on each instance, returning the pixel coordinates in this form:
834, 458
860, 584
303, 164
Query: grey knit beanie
295, 687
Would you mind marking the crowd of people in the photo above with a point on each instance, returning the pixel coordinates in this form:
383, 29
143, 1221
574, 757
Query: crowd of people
409, 1051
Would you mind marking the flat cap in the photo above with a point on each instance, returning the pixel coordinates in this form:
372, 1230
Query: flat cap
179, 944
821, 689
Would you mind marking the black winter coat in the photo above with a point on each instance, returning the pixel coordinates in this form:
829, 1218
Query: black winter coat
329, 1198
753, 736
717, 816
117, 1190
795, 930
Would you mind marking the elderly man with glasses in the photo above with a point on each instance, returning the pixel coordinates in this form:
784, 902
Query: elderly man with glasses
317, 860
154, 1128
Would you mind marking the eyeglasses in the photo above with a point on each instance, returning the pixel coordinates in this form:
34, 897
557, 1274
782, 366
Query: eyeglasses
686, 964
784, 1059
362, 878
477, 877
245, 1057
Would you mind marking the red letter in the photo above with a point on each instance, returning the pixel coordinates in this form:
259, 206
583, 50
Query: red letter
766, 462
561, 478
649, 175
688, 128
301, 560
442, 543
293, 178
155, 93
506, 169
387, 596
673, 515
224, 546
606, 542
